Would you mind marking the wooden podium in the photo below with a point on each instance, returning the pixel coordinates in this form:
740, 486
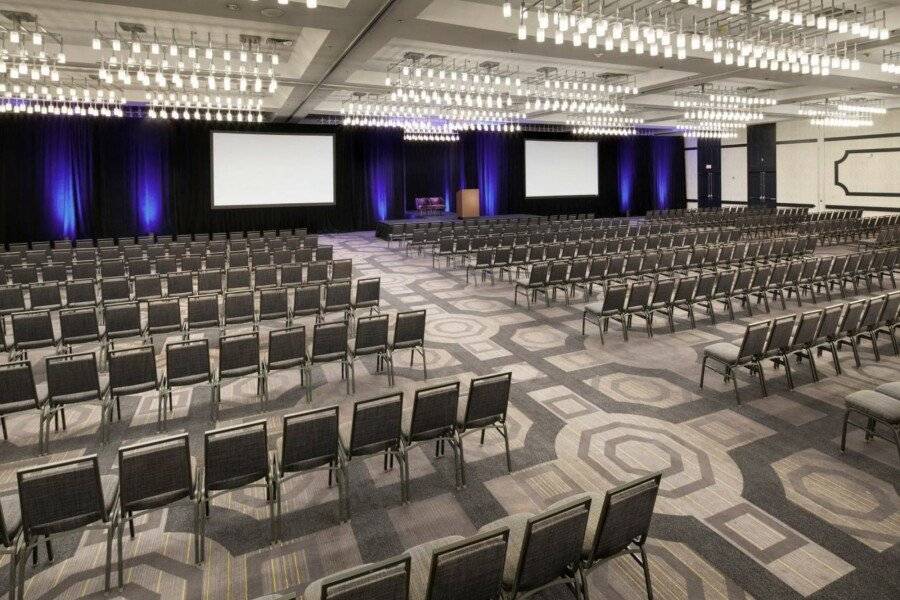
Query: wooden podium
468, 203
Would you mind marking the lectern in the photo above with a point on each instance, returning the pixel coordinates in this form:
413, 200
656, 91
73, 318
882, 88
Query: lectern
468, 203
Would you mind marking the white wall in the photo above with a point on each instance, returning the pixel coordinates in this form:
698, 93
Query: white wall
807, 156
734, 169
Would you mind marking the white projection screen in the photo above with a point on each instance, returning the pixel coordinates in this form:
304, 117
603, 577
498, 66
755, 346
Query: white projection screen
254, 170
560, 168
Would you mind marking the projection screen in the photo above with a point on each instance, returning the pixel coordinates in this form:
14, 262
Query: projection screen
254, 170
560, 168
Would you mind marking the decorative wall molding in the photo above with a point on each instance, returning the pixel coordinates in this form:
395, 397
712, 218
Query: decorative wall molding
847, 154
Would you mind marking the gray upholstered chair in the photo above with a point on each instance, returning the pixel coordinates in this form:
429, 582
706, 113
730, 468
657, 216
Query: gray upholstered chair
155, 475
371, 338
544, 549
147, 287
18, 392
537, 283
164, 317
239, 357
45, 296
307, 300
801, 343
287, 350
10, 536
115, 289
612, 305
377, 428
731, 356
72, 379
209, 280
386, 580
187, 363
237, 278
368, 295
240, 308
618, 525
485, 408
133, 371
341, 269
273, 304
179, 284
881, 405
337, 300
870, 320
777, 346
433, 417
233, 458
329, 345
847, 327
409, 333
456, 567
80, 326
122, 321
31, 330
203, 313
317, 272
62, 497
310, 442
81, 292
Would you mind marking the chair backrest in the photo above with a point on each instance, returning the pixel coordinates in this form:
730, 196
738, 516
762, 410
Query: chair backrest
639, 296
132, 369
78, 325
371, 334
780, 336
706, 285
291, 274
147, 286
852, 316
237, 278
287, 347
891, 307
329, 341
376, 424
470, 569
33, 328
61, 496
614, 297
273, 303
341, 269
114, 289
317, 272
17, 386
235, 456
187, 362
307, 299
754, 342
725, 281
239, 354
209, 280
368, 292
409, 329
155, 473
180, 284
239, 306
831, 317
203, 311
387, 580
807, 326
558, 271
12, 298
72, 378
684, 292
625, 516
552, 544
488, 400
662, 292
337, 295
309, 438
872, 315
538, 274
164, 315
434, 411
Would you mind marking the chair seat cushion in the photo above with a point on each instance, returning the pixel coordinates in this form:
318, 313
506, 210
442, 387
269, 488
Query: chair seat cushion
517, 524
420, 564
890, 389
875, 404
594, 307
723, 351
12, 516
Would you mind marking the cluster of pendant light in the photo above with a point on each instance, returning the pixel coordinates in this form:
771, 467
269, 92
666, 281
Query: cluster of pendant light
844, 113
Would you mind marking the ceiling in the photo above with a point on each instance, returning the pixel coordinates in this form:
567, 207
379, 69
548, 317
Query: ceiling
345, 46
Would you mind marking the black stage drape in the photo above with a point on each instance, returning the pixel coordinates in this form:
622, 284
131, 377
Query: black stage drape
73, 177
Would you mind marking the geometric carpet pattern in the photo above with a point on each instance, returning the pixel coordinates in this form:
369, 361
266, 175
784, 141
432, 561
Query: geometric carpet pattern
756, 501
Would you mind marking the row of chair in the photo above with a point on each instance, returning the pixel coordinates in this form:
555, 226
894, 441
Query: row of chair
60, 270
76, 377
680, 213
83, 292
152, 238
517, 556
881, 405
805, 335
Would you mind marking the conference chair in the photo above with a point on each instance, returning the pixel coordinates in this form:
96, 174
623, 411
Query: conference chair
80, 326
376, 428
310, 442
265, 276
660, 301
329, 345
848, 325
870, 319
179, 284
209, 280
777, 347
367, 295
164, 317
147, 287
32, 330
133, 371
287, 350
18, 392
10, 537
385, 580
337, 300
409, 333
239, 357
612, 305
341, 270
544, 550
122, 321
72, 379
203, 313
54, 272
291, 274
233, 458
273, 304
485, 408
371, 338
86, 269
537, 282
731, 357
115, 289
81, 292
307, 300
433, 418
889, 323
187, 364
63, 497
155, 475
239, 308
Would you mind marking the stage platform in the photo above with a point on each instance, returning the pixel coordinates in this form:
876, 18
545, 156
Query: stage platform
382, 228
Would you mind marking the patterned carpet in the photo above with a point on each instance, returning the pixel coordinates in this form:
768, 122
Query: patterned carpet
756, 501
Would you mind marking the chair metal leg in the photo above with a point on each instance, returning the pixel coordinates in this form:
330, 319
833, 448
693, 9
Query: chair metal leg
646, 565
702, 371
844, 430
505, 433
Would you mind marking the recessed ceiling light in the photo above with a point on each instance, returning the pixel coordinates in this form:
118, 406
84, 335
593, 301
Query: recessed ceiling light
272, 13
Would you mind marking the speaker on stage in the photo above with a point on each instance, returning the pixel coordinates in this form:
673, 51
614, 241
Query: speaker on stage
468, 203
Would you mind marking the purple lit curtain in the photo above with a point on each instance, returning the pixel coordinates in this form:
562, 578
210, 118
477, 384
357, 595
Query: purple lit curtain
627, 166
67, 178
667, 167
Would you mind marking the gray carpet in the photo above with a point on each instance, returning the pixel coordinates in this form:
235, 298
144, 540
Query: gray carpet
757, 500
